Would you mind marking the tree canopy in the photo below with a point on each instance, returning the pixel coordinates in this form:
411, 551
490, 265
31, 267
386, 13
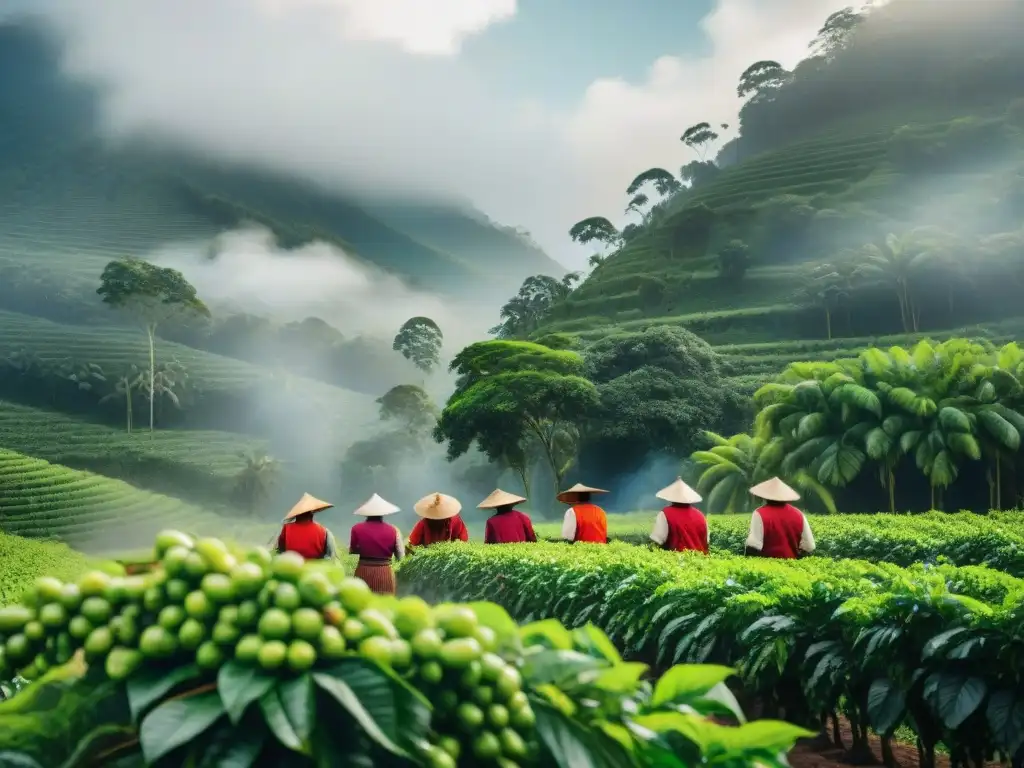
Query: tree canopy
410, 406
419, 340
525, 311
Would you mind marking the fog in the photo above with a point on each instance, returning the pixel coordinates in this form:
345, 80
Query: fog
245, 270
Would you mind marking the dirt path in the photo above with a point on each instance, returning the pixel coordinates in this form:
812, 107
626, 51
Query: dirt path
812, 755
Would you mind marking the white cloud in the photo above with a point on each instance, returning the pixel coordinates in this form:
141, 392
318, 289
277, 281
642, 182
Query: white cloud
286, 90
420, 26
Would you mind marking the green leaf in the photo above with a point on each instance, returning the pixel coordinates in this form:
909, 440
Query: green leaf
957, 697
766, 735
280, 722
10, 759
549, 632
544, 666
686, 681
177, 722
1005, 715
235, 747
104, 738
149, 685
383, 706
593, 641
886, 705
297, 699
720, 700
239, 686
620, 679
570, 744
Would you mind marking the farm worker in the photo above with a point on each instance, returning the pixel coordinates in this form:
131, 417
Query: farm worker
301, 533
680, 526
376, 542
440, 521
778, 529
583, 521
507, 525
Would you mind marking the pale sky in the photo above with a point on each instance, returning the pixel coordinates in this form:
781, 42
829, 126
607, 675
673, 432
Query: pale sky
538, 111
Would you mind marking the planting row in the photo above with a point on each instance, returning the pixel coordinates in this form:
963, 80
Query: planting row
24, 560
39, 499
222, 656
995, 540
938, 648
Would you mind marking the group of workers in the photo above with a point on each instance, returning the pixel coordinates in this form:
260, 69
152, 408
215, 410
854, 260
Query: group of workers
777, 528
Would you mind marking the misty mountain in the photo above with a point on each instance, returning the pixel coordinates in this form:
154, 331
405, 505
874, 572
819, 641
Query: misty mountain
68, 190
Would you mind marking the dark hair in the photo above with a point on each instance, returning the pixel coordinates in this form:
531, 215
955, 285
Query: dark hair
583, 496
505, 508
774, 503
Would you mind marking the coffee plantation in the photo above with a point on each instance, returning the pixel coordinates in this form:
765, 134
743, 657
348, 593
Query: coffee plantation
937, 648
224, 657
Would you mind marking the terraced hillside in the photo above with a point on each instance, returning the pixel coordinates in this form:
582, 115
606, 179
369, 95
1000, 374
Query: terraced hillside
43, 500
185, 463
115, 348
818, 202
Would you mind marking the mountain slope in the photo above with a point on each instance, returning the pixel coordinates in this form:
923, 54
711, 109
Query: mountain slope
65, 191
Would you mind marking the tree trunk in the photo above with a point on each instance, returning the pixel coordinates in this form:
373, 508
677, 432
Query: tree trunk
999, 482
828, 322
892, 492
932, 488
903, 310
128, 400
150, 332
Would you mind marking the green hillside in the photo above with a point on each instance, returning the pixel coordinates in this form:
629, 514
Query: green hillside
198, 464
40, 499
72, 201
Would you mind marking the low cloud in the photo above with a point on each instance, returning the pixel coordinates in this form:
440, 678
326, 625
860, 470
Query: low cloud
246, 271
340, 91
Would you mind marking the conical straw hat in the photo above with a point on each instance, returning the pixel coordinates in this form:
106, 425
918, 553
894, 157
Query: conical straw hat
437, 506
679, 493
500, 498
377, 507
307, 504
569, 496
774, 490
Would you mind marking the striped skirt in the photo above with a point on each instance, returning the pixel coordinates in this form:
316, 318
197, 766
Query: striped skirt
379, 576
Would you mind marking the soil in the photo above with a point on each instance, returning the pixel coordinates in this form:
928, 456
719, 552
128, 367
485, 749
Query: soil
813, 754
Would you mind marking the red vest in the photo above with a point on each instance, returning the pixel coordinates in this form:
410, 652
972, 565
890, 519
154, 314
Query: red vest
591, 523
783, 527
306, 537
687, 529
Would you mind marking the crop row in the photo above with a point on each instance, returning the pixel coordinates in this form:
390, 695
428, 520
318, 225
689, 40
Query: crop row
995, 540
64, 440
39, 499
24, 560
111, 347
938, 647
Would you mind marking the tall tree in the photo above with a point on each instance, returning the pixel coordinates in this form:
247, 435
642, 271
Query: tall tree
527, 309
125, 385
896, 263
152, 295
410, 406
596, 229
637, 204
698, 137
255, 480
419, 340
761, 79
517, 401
664, 182
836, 32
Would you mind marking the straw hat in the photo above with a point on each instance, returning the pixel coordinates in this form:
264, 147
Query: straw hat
774, 490
377, 507
569, 496
500, 498
307, 504
437, 506
679, 493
